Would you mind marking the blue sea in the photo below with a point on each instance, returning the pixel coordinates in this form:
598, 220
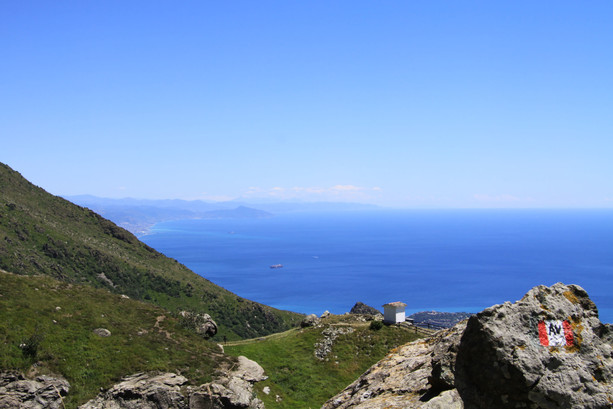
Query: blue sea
444, 260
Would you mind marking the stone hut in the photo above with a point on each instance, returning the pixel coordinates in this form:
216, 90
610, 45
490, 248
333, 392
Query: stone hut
393, 312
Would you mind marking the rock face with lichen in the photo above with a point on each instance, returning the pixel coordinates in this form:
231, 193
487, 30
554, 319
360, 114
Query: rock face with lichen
233, 390
144, 391
43, 392
575, 372
548, 350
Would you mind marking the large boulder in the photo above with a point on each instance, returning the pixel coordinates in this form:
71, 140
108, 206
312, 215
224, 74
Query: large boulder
42, 392
202, 324
310, 320
233, 391
548, 350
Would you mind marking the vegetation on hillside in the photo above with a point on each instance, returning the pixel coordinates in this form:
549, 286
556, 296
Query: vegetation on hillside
46, 327
299, 379
45, 234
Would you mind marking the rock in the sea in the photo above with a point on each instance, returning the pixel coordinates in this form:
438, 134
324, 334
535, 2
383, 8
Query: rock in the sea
43, 392
361, 308
311, 320
203, 324
548, 350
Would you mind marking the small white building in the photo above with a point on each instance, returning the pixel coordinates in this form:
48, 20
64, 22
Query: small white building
393, 312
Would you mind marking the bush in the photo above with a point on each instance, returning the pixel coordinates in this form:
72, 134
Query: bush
376, 325
29, 346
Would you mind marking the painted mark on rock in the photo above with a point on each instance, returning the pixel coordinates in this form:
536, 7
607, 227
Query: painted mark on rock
553, 333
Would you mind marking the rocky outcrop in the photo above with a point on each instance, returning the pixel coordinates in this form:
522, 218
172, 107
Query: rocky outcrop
545, 350
203, 324
399, 380
143, 391
361, 308
42, 392
324, 347
548, 350
233, 391
311, 320
167, 391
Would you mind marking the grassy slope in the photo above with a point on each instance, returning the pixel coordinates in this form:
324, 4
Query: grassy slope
143, 337
44, 234
300, 379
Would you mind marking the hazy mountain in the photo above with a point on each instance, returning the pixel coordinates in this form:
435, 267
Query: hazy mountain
138, 215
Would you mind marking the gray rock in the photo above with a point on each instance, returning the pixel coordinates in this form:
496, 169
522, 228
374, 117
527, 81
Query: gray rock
497, 359
249, 370
502, 363
42, 392
326, 314
102, 332
143, 391
163, 391
444, 352
203, 324
446, 400
235, 393
397, 381
232, 391
311, 320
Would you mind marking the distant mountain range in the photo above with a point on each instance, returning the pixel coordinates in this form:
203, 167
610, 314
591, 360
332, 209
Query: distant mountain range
138, 215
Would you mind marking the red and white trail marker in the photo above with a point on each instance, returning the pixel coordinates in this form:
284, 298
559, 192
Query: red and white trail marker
556, 333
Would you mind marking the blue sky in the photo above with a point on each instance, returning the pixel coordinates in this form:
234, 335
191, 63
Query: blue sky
398, 103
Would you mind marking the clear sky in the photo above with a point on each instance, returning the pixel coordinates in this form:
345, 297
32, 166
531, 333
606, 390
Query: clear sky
399, 103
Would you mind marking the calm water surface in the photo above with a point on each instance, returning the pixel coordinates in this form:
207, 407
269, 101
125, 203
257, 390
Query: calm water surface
463, 260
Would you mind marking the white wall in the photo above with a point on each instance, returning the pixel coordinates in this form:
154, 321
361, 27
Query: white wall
393, 315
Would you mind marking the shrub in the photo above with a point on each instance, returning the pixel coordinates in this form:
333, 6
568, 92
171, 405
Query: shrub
29, 347
376, 325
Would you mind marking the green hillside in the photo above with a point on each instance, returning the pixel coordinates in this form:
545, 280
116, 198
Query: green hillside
45, 234
46, 327
298, 379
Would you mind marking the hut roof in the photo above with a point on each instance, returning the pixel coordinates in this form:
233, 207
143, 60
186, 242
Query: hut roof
395, 304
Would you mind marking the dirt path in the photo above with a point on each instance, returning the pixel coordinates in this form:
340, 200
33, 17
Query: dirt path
418, 330
260, 339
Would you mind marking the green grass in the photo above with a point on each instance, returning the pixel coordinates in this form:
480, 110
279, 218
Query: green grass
45, 234
56, 319
303, 381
